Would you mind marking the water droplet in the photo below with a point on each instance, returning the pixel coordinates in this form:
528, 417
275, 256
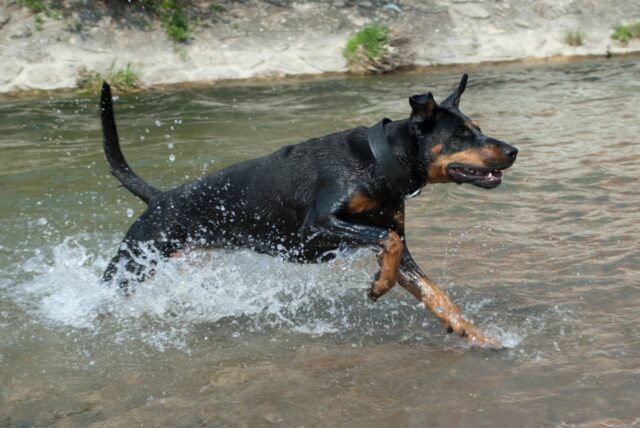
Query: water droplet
42, 221
172, 158
158, 123
129, 212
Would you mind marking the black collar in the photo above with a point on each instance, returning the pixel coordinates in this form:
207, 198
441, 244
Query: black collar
393, 170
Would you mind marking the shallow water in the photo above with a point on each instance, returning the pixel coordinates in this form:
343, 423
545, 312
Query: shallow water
548, 262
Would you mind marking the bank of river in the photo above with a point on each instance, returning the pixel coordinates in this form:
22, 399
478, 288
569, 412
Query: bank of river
276, 38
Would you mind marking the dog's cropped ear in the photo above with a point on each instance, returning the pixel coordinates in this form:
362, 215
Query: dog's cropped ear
422, 106
454, 98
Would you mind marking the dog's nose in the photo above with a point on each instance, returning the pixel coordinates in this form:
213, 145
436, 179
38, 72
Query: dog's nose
510, 152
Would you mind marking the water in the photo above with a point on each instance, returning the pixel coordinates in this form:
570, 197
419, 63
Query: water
548, 262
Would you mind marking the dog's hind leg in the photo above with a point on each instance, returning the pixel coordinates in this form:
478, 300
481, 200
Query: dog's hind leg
389, 260
135, 259
417, 283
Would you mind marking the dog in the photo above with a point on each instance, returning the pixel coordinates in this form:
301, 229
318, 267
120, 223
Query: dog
305, 201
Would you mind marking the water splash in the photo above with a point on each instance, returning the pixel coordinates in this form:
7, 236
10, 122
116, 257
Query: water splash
506, 337
238, 292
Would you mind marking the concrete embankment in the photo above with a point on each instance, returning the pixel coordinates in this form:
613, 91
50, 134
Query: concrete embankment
272, 38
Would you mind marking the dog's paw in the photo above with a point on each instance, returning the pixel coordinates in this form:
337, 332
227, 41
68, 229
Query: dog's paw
372, 295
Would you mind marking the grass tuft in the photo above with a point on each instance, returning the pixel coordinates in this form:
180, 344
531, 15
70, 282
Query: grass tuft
173, 17
574, 38
38, 21
216, 8
35, 6
373, 39
124, 79
624, 33
621, 33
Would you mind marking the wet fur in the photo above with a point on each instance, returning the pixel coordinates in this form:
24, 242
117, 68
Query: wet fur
306, 200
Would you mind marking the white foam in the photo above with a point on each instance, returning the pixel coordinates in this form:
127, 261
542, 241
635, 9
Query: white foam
65, 287
508, 338
242, 290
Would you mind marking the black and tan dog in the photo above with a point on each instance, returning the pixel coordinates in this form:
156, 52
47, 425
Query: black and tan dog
306, 200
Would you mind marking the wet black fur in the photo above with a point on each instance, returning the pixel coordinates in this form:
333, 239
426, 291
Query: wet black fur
294, 202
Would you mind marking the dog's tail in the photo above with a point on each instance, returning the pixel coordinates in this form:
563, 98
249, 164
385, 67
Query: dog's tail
118, 166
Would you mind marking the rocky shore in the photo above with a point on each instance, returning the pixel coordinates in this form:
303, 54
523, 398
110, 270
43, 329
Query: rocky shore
277, 38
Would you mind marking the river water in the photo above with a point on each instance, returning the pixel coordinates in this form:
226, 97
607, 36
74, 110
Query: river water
549, 263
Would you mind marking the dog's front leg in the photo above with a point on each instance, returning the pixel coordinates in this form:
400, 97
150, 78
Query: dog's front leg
389, 261
417, 283
330, 229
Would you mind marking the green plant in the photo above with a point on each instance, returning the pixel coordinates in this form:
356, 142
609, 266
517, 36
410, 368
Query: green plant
89, 81
173, 17
77, 27
622, 33
635, 30
35, 6
124, 79
216, 8
373, 39
574, 38
38, 21
41, 9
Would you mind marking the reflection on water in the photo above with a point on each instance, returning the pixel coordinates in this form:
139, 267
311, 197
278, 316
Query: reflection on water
548, 262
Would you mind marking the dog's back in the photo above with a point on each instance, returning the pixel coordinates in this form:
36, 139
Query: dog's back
262, 203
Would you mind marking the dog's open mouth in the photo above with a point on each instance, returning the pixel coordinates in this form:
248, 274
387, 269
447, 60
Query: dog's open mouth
481, 177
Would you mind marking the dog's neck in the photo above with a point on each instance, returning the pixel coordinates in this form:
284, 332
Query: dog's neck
407, 151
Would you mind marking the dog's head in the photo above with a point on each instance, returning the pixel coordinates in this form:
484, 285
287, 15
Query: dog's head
452, 146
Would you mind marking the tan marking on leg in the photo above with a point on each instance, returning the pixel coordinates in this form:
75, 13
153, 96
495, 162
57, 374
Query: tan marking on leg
398, 219
389, 261
442, 307
361, 203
